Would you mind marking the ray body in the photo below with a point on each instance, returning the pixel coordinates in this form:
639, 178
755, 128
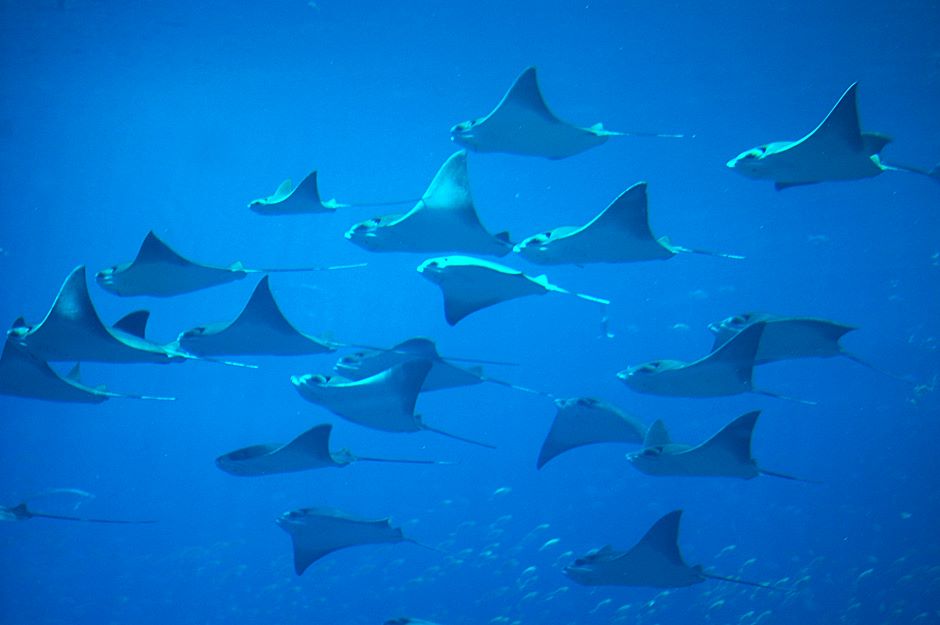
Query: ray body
583, 421
73, 331
785, 337
302, 200
471, 284
523, 124
317, 532
725, 371
836, 149
443, 374
260, 329
443, 220
726, 454
655, 562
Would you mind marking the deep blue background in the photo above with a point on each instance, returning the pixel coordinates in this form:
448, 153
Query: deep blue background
117, 118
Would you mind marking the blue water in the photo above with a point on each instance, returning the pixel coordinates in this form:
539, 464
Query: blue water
117, 118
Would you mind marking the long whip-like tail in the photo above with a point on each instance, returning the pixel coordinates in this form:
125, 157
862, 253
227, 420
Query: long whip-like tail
745, 582
456, 437
787, 477
805, 402
399, 460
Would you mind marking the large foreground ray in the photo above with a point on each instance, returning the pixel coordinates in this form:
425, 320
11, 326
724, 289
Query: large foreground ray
586, 421
655, 561
316, 532
72, 330
159, 271
24, 375
726, 454
310, 450
523, 124
619, 234
286, 200
443, 220
22, 512
836, 149
385, 401
260, 329
471, 284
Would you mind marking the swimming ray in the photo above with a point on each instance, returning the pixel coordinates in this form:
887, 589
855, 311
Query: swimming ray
305, 199
655, 561
159, 271
523, 124
587, 421
836, 149
725, 454
408, 621
725, 371
24, 375
471, 284
21, 512
72, 330
385, 401
310, 450
443, 220
260, 329
317, 532
786, 338
619, 234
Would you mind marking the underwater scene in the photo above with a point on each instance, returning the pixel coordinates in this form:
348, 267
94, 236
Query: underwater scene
494, 313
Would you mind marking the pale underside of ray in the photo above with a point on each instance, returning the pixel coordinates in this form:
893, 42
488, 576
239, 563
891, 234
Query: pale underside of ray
286, 200
72, 330
260, 329
834, 150
24, 375
444, 220
442, 374
523, 124
786, 337
654, 561
471, 284
726, 454
725, 371
584, 421
317, 532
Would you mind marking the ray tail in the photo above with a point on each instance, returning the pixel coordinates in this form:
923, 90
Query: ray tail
456, 437
806, 402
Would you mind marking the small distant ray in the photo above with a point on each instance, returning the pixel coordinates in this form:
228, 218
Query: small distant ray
159, 271
286, 200
385, 401
317, 532
586, 421
726, 454
408, 621
471, 284
260, 329
523, 124
443, 220
836, 150
310, 450
785, 338
73, 331
619, 234
726, 371
655, 561
24, 375
22, 512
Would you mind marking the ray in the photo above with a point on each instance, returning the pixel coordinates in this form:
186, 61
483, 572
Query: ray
260, 329
384, 401
725, 371
24, 375
725, 454
21, 512
443, 220
786, 338
305, 199
583, 421
310, 450
654, 562
404, 620
471, 284
317, 532
523, 124
73, 331
619, 234
159, 271
836, 149
443, 374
